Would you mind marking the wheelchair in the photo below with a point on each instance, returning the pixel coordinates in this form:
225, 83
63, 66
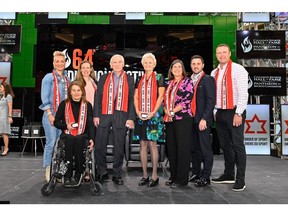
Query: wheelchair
59, 168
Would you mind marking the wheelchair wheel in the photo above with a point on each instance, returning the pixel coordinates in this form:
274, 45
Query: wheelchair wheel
48, 187
96, 188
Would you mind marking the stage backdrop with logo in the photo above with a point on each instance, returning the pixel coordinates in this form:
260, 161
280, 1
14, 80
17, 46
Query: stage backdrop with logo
260, 44
267, 81
257, 130
284, 128
10, 38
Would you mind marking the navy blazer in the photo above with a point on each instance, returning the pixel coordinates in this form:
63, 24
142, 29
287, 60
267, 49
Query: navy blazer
119, 117
205, 99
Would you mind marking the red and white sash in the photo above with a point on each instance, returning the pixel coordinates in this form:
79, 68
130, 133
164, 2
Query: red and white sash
227, 101
121, 100
170, 96
193, 102
147, 93
56, 95
69, 118
93, 83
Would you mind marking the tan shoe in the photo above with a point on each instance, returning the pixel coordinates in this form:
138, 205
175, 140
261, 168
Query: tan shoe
47, 174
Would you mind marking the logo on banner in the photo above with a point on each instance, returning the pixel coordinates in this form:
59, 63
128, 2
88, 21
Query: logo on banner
3, 79
67, 58
253, 126
250, 82
246, 45
286, 131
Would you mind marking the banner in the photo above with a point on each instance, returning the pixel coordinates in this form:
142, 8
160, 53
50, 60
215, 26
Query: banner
5, 71
267, 81
260, 44
257, 130
284, 128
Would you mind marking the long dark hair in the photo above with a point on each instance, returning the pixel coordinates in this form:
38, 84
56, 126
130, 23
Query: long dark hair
7, 89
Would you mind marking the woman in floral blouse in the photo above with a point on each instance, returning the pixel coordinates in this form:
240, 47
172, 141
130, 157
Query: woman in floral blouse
178, 120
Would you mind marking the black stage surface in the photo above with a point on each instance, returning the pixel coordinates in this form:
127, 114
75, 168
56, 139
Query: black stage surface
266, 183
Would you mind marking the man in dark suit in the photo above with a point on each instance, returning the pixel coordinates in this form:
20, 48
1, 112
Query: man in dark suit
202, 106
113, 107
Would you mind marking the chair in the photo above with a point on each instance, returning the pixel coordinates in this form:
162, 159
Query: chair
34, 133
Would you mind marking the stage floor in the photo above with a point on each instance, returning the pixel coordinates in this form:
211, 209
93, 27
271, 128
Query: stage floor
266, 183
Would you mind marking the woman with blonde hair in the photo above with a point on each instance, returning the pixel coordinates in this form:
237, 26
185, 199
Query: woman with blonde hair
149, 126
53, 90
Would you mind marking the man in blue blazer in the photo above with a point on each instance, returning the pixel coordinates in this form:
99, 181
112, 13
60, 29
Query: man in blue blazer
202, 106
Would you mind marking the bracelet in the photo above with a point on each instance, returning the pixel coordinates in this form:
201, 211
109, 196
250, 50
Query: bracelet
10, 116
49, 113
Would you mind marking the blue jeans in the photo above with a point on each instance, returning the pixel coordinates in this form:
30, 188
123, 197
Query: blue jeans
52, 134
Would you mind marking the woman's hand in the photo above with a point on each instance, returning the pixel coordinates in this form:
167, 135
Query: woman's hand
91, 145
51, 119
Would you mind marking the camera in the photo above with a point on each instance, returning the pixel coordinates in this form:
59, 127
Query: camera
144, 115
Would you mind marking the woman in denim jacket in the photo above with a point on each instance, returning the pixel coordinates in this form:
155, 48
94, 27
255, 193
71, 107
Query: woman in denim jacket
53, 91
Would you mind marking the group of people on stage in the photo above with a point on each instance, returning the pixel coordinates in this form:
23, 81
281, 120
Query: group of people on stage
85, 111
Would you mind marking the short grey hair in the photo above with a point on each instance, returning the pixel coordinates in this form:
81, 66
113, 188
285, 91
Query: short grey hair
149, 55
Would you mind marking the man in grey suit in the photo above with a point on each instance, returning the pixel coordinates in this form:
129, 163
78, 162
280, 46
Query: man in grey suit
113, 107
202, 106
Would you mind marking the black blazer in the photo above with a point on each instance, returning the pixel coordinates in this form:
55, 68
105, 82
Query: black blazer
205, 99
119, 117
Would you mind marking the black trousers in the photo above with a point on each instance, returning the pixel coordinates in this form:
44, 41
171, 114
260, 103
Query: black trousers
178, 139
74, 146
101, 142
231, 141
201, 149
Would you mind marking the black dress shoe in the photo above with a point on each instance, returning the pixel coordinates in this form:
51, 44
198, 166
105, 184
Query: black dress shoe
193, 178
143, 181
67, 181
175, 185
169, 182
153, 183
117, 180
102, 178
202, 182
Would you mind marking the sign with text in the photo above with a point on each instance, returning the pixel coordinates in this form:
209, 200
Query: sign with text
10, 38
267, 81
5, 71
257, 130
260, 44
284, 128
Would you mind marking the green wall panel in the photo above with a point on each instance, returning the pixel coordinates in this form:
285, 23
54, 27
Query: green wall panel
168, 20
22, 70
152, 20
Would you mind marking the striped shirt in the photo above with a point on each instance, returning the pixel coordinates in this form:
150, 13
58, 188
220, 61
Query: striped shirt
240, 86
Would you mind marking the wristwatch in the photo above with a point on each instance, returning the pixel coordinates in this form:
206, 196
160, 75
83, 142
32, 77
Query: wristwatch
172, 113
239, 114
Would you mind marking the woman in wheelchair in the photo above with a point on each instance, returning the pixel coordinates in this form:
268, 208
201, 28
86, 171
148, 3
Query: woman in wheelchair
75, 118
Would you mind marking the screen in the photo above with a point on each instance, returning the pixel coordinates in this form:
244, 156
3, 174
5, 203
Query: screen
10, 38
267, 81
255, 17
260, 44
